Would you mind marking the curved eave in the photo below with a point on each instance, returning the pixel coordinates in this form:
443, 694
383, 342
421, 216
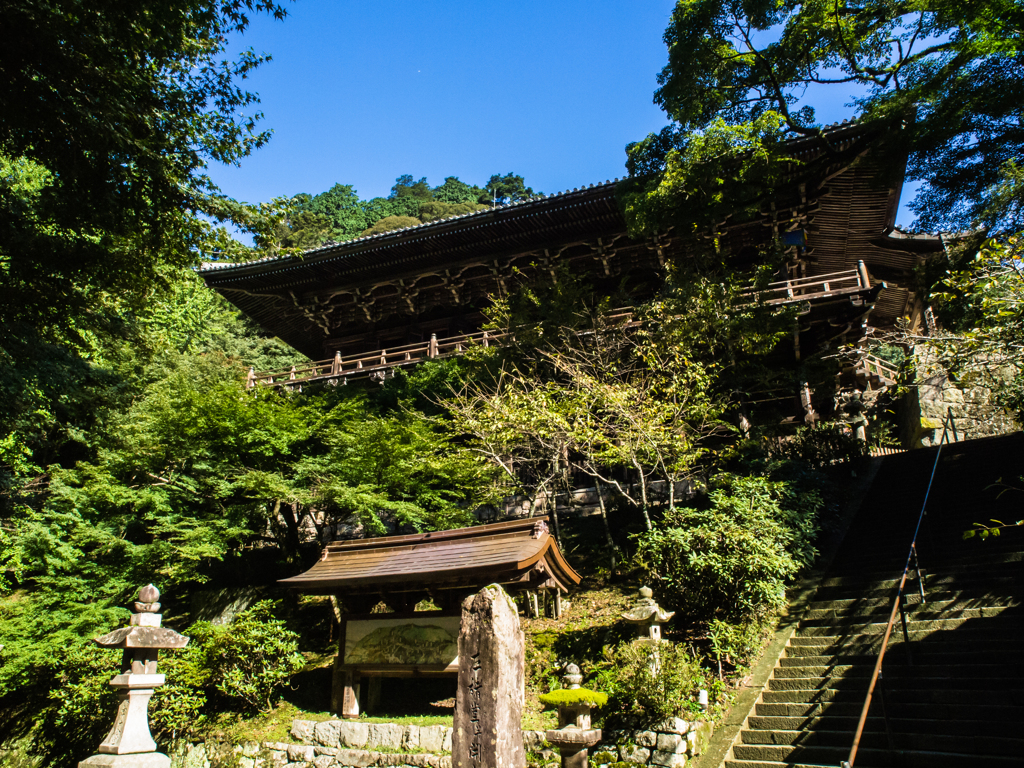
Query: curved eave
562, 571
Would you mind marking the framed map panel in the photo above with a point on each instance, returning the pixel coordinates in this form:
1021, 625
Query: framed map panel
431, 640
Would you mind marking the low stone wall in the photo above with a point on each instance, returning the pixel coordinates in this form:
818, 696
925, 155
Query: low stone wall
347, 743
669, 744
386, 737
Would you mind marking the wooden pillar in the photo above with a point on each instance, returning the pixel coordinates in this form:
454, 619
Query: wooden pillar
558, 603
350, 696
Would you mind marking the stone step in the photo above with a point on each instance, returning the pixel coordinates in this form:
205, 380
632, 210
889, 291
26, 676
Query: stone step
991, 562
954, 695
1010, 616
899, 672
880, 739
972, 639
940, 601
963, 698
852, 587
910, 711
866, 758
932, 550
876, 724
909, 680
922, 653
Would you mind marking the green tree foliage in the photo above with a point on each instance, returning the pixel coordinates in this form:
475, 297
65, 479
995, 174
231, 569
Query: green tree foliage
182, 476
729, 559
630, 404
978, 298
391, 223
306, 230
455, 191
510, 188
694, 181
339, 214
117, 112
406, 187
950, 71
108, 119
340, 206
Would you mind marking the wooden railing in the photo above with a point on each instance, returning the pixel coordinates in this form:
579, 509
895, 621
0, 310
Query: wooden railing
805, 288
875, 366
338, 369
378, 364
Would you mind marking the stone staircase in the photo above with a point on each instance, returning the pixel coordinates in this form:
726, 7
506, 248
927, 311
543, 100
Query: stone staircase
954, 695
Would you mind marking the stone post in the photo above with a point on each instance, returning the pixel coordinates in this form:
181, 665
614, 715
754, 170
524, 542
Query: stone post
129, 743
489, 702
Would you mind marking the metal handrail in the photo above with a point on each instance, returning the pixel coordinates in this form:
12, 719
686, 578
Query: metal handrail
899, 603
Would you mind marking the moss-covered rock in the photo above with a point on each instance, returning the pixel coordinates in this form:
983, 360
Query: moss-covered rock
574, 697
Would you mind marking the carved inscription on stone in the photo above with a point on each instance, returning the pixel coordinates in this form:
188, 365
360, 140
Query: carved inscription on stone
489, 701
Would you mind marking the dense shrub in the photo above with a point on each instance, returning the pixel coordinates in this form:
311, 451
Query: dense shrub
239, 667
80, 706
828, 444
252, 658
244, 665
729, 559
640, 694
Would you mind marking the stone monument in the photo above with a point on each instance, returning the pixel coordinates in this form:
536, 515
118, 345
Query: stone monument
489, 702
129, 743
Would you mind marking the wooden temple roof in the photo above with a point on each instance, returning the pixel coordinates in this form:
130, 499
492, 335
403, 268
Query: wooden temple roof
321, 301
517, 554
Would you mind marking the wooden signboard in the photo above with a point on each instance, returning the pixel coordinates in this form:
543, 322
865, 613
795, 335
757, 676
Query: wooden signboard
392, 645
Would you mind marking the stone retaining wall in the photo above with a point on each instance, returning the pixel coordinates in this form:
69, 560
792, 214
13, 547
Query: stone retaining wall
669, 744
346, 743
971, 399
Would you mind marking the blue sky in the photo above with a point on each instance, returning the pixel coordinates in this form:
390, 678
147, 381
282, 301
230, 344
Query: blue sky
360, 93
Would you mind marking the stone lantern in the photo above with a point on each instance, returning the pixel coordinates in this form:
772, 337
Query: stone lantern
574, 735
854, 407
647, 615
129, 743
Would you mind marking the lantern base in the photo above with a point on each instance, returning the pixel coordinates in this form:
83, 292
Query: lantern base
138, 760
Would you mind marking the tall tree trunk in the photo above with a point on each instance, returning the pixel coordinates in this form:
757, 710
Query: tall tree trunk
553, 497
288, 513
612, 546
642, 482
